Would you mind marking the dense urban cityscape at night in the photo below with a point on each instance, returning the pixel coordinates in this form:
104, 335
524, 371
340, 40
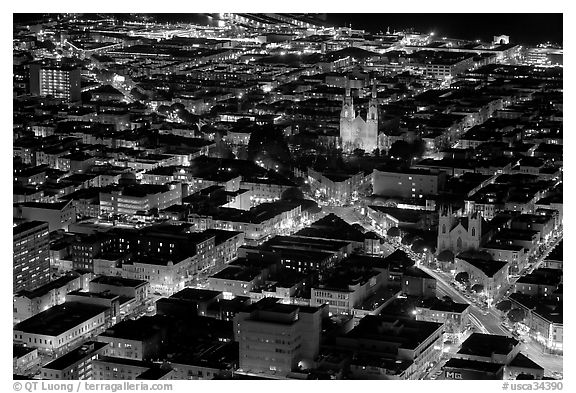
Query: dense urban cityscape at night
246, 196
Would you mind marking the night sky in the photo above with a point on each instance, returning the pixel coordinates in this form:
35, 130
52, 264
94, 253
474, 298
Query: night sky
528, 29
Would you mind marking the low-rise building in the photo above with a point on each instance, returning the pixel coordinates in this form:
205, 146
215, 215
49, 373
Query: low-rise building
258, 224
492, 275
58, 215
413, 183
188, 301
130, 200
165, 275
61, 327
137, 289
416, 282
24, 359
111, 368
454, 316
385, 217
336, 187
522, 365
240, 278
542, 282
346, 289
207, 363
139, 339
514, 255
466, 369
30, 303
389, 347
544, 317
76, 364
490, 348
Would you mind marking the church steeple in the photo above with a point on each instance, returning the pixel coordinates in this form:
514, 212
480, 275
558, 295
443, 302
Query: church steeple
373, 105
347, 104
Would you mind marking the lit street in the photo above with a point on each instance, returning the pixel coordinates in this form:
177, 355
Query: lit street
490, 322
486, 320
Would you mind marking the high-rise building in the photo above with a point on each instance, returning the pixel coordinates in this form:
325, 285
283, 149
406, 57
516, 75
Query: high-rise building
31, 255
55, 80
277, 338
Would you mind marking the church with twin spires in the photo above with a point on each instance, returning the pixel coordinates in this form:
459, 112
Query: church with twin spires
355, 132
458, 234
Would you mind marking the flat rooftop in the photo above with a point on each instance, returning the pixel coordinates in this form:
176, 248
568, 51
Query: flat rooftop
59, 319
194, 294
498, 246
331, 227
440, 305
46, 288
118, 281
127, 362
557, 254
27, 226
522, 361
400, 332
490, 268
20, 350
485, 345
237, 273
402, 215
293, 242
75, 356
154, 373
473, 365
42, 205
214, 355
138, 329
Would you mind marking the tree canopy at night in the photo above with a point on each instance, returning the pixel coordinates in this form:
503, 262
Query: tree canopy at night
407, 151
463, 278
504, 305
446, 256
418, 245
516, 315
393, 231
293, 193
267, 144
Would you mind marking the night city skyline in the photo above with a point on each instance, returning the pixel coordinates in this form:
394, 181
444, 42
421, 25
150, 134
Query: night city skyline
294, 196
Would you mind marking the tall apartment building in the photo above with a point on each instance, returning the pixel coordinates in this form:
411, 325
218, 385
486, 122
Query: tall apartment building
57, 81
275, 338
31, 255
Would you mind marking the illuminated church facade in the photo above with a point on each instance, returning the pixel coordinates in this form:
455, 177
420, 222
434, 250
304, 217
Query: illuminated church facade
356, 132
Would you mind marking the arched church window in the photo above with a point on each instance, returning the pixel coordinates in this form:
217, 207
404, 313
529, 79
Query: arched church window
443, 228
473, 231
459, 243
